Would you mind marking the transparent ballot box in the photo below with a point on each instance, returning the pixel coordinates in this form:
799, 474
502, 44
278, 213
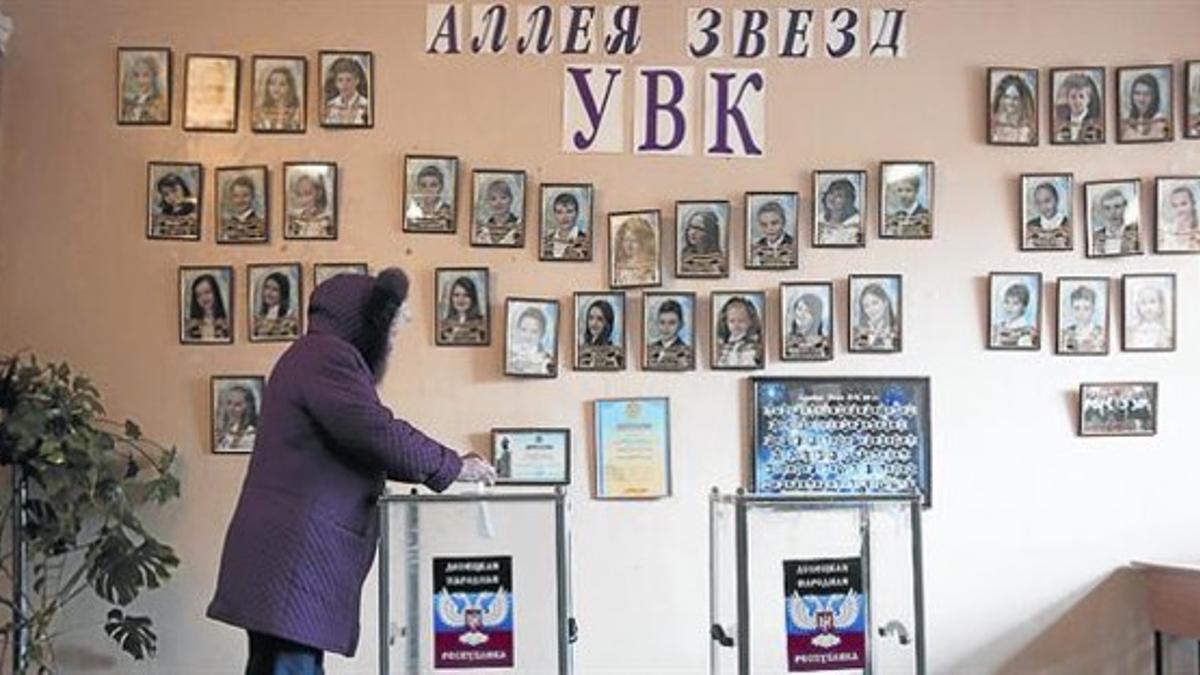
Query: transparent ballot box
815, 585
474, 583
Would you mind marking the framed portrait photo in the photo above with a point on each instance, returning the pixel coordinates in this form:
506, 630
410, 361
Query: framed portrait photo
498, 211
876, 313
1145, 106
1118, 409
532, 456
430, 194
1191, 100
1012, 106
839, 209
174, 195
274, 292
701, 239
211, 91
906, 200
144, 86
242, 207
310, 200
1046, 212
634, 249
739, 336
531, 337
1077, 108
463, 307
1015, 311
1148, 304
279, 95
1177, 220
600, 343
323, 272
1114, 214
668, 331
566, 222
236, 401
806, 321
633, 448
1083, 316
206, 305
347, 90
771, 230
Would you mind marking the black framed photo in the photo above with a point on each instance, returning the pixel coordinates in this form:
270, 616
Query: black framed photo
669, 331
310, 200
243, 209
323, 272
701, 239
1177, 219
235, 403
430, 194
1148, 302
144, 86
1145, 104
212, 88
498, 212
532, 456
1191, 100
1083, 304
806, 321
280, 90
567, 229
1012, 106
274, 292
531, 337
462, 307
1118, 409
1046, 212
876, 313
906, 200
772, 231
1077, 108
1015, 310
634, 249
738, 330
600, 330
1114, 216
174, 196
206, 305
839, 209
347, 89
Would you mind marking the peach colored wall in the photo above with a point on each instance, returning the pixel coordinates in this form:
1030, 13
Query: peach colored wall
1029, 519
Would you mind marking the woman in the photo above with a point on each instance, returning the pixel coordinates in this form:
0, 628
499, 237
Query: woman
701, 253
634, 256
176, 208
1078, 116
463, 322
739, 335
309, 217
346, 99
1182, 232
806, 336
840, 223
278, 106
239, 416
597, 350
142, 100
566, 238
207, 321
276, 317
497, 225
876, 327
1014, 118
1145, 120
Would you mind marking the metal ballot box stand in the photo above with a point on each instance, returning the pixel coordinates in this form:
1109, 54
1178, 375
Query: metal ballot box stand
815, 585
479, 581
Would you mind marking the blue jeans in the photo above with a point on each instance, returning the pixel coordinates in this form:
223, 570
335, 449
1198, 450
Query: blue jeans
270, 655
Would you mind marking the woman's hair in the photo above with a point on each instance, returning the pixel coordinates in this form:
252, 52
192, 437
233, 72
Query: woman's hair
250, 418
1018, 292
171, 180
536, 314
149, 63
197, 312
640, 230
285, 293
1028, 113
1076, 81
468, 286
753, 334
877, 291
710, 225
373, 341
321, 200
1150, 81
844, 186
292, 97
816, 309
345, 64
604, 339
431, 170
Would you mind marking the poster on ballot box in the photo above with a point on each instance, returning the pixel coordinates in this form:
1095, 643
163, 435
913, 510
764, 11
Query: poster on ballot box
826, 612
473, 612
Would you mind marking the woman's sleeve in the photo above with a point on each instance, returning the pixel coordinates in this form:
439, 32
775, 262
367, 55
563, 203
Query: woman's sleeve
343, 401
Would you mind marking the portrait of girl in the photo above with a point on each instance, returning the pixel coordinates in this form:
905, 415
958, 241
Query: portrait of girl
1177, 229
274, 302
346, 96
462, 307
531, 338
429, 189
499, 209
204, 303
1016, 310
875, 313
807, 321
600, 331
145, 86
633, 248
566, 226
702, 242
1046, 205
279, 94
173, 196
667, 335
241, 205
1145, 104
1077, 115
737, 336
310, 203
236, 402
1012, 118
838, 208
1149, 303
907, 200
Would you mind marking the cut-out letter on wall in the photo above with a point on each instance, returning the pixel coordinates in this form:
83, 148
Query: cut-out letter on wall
442, 28
622, 30
733, 107
705, 31
750, 33
538, 21
794, 40
577, 25
662, 110
841, 32
889, 33
593, 109
489, 28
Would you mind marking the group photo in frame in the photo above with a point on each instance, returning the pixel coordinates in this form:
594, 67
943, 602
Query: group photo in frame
1082, 319
806, 321
906, 200
274, 292
310, 200
1013, 106
1148, 303
278, 104
1177, 218
174, 196
839, 209
532, 456
243, 206
531, 337
1145, 104
206, 305
1077, 106
876, 312
1015, 311
633, 448
702, 239
212, 89
347, 89
600, 331
771, 230
431, 194
1191, 100
635, 249
1118, 409
462, 307
1114, 216
567, 229
738, 330
235, 403
144, 81
498, 212
1047, 206
323, 272
668, 331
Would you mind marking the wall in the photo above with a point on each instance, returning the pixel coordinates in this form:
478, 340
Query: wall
1029, 518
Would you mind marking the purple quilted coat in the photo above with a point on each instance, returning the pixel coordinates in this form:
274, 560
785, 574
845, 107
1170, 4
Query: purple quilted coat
304, 533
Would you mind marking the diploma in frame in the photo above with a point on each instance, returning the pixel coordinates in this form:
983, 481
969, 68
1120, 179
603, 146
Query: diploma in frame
532, 456
633, 448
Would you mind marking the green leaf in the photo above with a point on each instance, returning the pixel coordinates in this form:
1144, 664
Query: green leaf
134, 634
120, 570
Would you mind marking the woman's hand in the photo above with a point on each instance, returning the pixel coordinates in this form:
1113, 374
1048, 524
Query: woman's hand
476, 469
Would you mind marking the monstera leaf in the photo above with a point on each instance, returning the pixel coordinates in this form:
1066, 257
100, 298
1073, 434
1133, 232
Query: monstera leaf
135, 634
120, 569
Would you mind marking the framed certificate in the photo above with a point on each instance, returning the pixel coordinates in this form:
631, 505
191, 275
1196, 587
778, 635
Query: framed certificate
633, 448
532, 456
